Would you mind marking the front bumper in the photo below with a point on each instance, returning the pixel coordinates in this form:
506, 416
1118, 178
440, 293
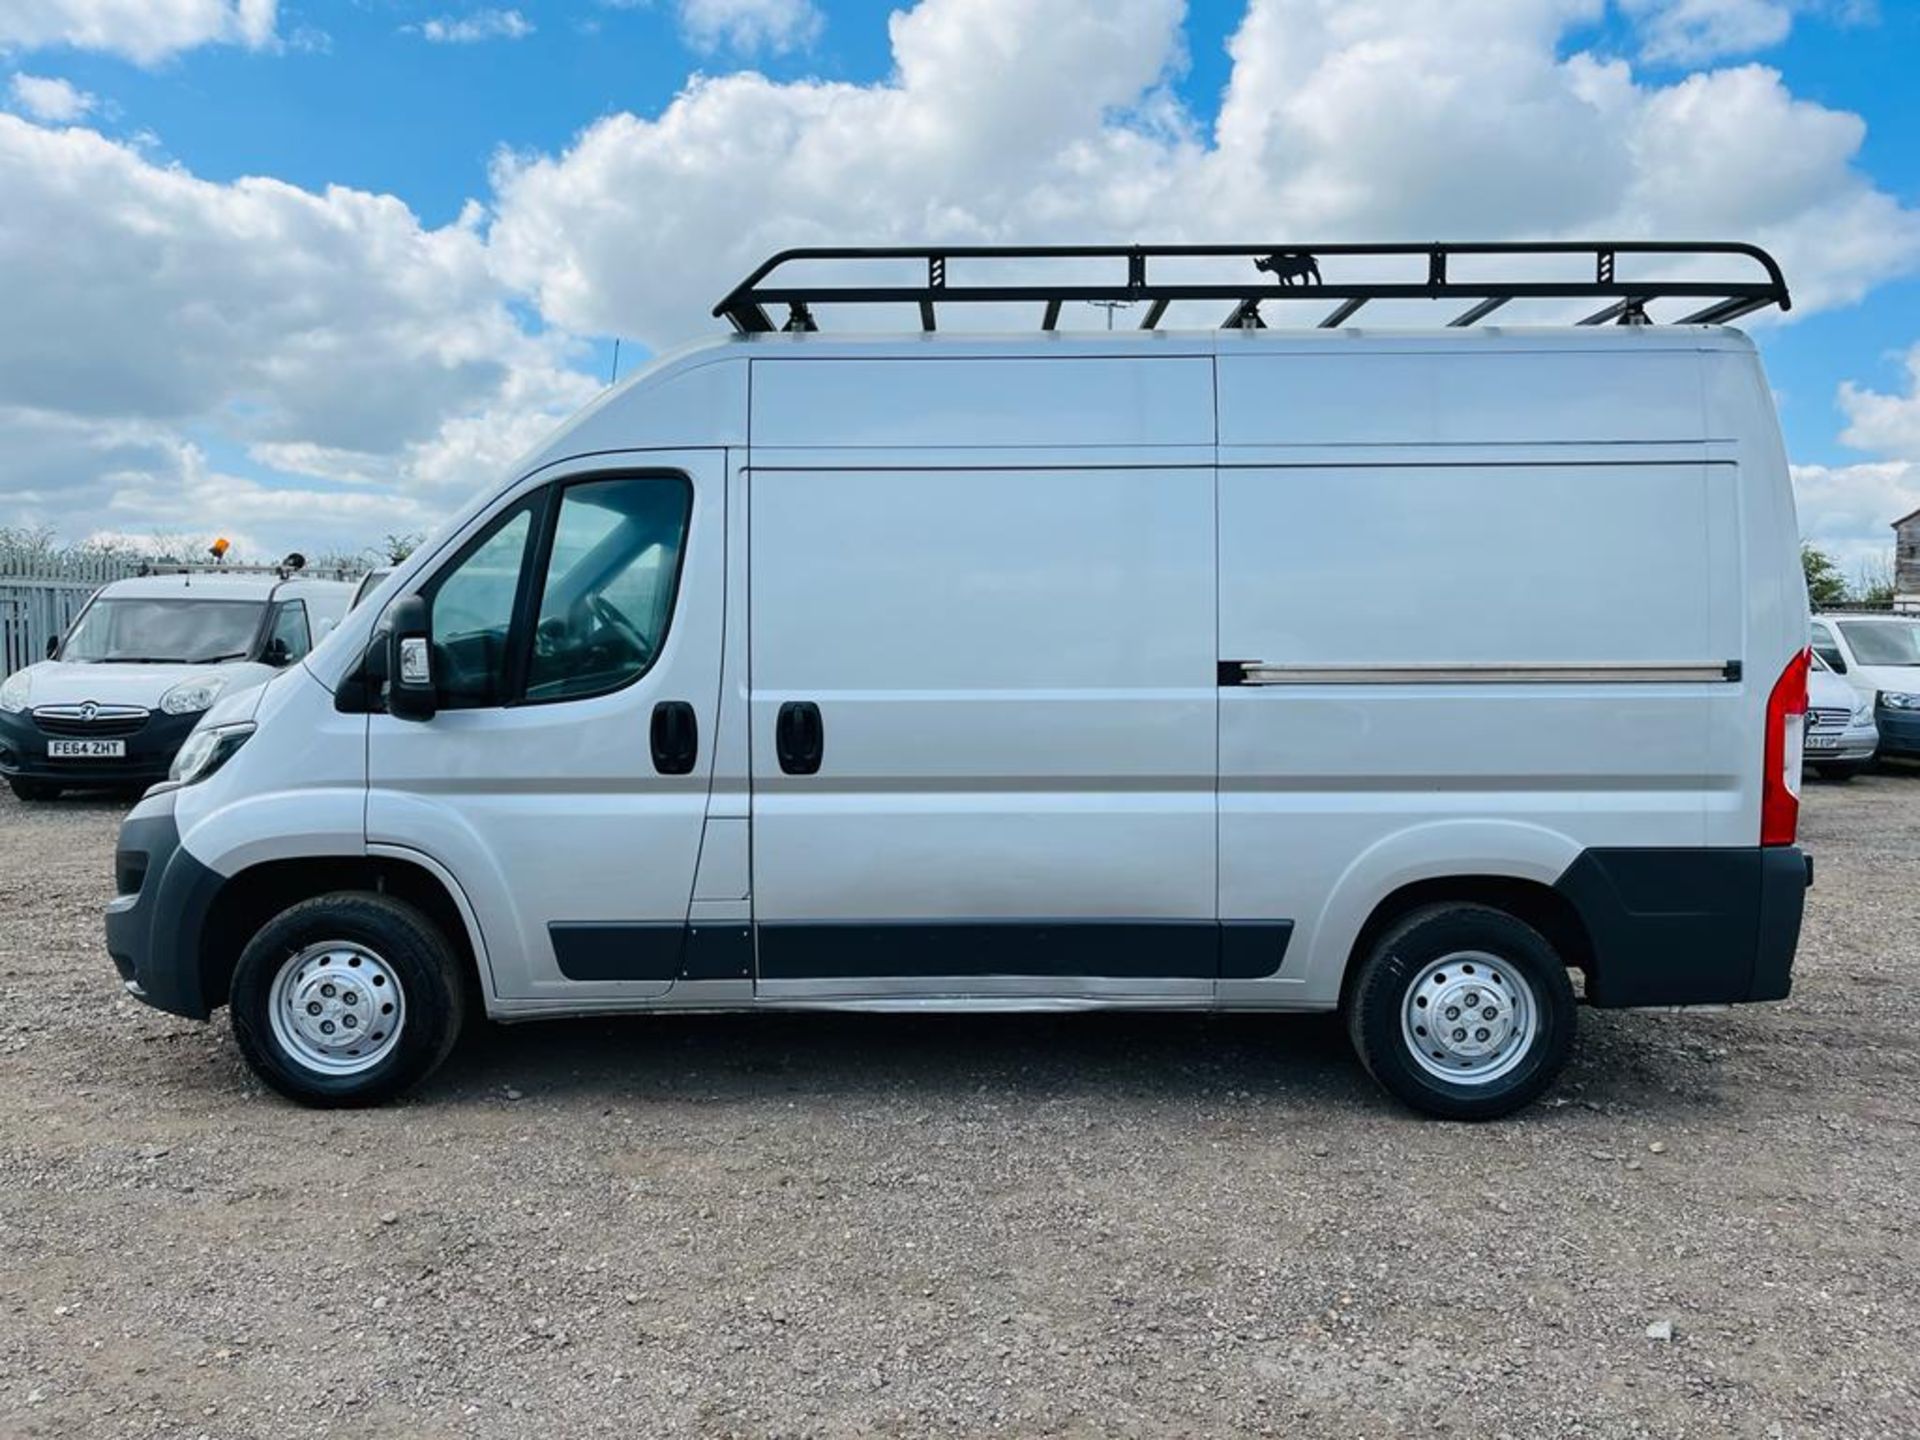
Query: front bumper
156, 921
150, 751
1856, 742
1899, 731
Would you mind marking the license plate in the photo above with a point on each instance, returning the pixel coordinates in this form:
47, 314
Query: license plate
1823, 742
86, 749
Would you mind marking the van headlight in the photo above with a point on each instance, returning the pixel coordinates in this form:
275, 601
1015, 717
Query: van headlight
14, 693
192, 695
207, 750
1899, 700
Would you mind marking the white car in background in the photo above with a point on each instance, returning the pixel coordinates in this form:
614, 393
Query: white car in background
1841, 736
1879, 656
118, 696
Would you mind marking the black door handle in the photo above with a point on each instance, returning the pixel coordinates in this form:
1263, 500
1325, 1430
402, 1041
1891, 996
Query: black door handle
798, 738
676, 738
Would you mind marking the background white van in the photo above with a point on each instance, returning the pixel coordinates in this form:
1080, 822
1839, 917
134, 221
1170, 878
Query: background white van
119, 693
1879, 655
1399, 672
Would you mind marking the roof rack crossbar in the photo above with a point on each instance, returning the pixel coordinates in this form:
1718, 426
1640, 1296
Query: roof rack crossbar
1725, 313
1478, 312
1343, 312
1291, 272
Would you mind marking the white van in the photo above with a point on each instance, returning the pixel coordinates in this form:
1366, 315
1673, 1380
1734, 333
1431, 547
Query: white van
1879, 656
117, 696
1397, 672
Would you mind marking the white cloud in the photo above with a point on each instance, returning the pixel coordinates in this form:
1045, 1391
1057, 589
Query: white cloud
1849, 510
749, 25
478, 26
1692, 32
146, 304
146, 31
46, 97
1040, 119
1885, 424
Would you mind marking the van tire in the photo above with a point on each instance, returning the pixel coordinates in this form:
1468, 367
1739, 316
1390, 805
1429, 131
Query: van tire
397, 940
1381, 1003
33, 790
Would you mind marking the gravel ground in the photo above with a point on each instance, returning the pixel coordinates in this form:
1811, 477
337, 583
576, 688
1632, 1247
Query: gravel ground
1084, 1226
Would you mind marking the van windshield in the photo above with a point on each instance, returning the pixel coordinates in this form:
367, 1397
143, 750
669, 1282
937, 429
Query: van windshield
162, 632
1883, 642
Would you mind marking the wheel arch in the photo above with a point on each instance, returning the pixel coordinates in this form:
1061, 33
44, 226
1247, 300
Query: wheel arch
1506, 862
1531, 902
249, 898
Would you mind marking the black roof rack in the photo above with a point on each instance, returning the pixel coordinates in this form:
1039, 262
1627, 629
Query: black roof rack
1286, 272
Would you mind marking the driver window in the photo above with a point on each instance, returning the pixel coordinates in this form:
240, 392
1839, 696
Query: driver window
607, 595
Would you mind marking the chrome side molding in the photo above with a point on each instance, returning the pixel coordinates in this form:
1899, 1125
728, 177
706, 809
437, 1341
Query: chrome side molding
1599, 672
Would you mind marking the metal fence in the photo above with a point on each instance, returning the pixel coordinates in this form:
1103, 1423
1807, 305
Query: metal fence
39, 597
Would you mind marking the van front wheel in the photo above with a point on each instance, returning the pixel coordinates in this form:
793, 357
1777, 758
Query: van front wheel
1463, 1011
346, 999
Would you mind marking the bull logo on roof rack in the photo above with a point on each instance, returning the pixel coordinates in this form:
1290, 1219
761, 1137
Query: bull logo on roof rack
1290, 267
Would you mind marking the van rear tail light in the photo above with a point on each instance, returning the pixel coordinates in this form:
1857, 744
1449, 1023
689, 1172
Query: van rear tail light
1780, 772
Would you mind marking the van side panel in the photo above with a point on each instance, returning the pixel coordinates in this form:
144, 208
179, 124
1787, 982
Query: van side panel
1334, 794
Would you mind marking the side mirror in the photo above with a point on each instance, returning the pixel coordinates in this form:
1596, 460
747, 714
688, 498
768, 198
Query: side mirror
410, 689
53, 646
277, 654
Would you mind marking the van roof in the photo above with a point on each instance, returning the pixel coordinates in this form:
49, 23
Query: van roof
209, 585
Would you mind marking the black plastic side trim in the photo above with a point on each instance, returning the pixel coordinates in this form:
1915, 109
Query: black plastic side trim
598, 951
1706, 926
1121, 949
1253, 949
718, 952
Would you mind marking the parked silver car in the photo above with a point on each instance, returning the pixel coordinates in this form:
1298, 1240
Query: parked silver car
1841, 736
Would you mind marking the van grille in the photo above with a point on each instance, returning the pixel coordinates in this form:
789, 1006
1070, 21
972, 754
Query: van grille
94, 722
1828, 718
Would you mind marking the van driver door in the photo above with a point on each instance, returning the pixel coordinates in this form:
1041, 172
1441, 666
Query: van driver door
562, 782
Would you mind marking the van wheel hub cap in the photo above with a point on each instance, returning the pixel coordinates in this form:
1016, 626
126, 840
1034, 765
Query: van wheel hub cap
1469, 1018
337, 1007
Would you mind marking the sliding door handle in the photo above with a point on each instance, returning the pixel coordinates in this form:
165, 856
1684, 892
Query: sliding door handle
798, 737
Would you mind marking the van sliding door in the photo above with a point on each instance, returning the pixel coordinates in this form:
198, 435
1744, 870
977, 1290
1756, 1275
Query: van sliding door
983, 730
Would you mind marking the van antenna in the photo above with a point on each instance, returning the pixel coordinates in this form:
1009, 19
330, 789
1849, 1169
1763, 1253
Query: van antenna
614, 374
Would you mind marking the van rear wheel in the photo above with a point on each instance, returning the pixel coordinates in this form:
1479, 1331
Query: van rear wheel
1463, 1011
347, 999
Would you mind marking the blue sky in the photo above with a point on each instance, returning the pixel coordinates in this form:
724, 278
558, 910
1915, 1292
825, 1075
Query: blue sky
590, 225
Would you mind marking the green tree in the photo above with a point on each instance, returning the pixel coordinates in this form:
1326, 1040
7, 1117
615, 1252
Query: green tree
1825, 584
399, 547
1873, 581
